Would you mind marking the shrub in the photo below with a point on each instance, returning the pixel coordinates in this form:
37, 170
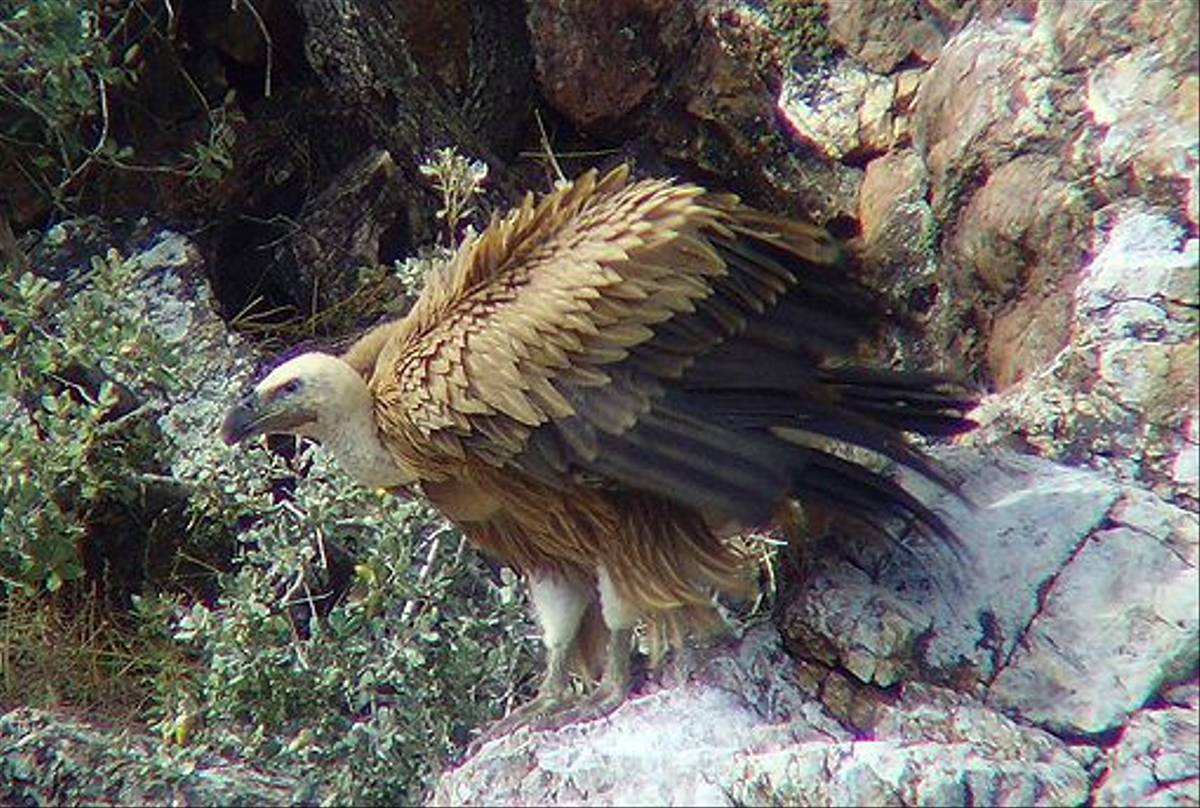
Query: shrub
56, 70
77, 439
370, 690
352, 638
92, 91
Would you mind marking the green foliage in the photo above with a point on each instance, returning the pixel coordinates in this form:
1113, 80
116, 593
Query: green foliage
458, 179
56, 69
354, 641
801, 25
70, 70
412, 271
68, 448
370, 694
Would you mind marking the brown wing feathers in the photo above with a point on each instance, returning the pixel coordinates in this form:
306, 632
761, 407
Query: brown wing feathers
655, 336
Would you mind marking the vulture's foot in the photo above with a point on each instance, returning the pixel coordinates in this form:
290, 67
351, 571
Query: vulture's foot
554, 695
611, 693
533, 714
604, 700
557, 705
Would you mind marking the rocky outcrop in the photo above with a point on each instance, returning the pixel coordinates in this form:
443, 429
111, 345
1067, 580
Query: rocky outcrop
49, 758
1025, 180
1021, 177
1042, 661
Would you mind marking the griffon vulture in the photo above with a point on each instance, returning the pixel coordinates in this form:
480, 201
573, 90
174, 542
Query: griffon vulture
602, 386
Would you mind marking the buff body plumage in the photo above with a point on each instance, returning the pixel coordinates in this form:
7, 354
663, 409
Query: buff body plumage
604, 382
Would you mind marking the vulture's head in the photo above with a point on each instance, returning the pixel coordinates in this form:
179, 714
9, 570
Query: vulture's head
321, 397
314, 395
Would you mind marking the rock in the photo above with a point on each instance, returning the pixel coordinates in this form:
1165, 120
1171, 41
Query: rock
616, 45
930, 748
738, 732
175, 378
845, 114
1021, 233
991, 94
1034, 531
339, 232
1029, 125
176, 301
883, 33
1147, 119
1030, 517
1071, 601
1155, 761
1120, 395
1087, 32
49, 758
899, 233
1117, 621
670, 747
696, 85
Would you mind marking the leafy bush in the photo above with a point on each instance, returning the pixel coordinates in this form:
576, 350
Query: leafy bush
56, 69
82, 84
74, 443
801, 26
373, 695
352, 639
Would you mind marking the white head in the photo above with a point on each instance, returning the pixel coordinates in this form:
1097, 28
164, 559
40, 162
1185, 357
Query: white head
321, 397
313, 394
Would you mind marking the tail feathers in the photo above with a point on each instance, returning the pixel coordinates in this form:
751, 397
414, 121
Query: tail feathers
925, 403
861, 494
803, 420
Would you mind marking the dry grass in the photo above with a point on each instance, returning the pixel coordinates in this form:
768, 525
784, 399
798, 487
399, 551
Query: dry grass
68, 652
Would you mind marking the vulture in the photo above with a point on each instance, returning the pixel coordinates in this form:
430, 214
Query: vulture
606, 385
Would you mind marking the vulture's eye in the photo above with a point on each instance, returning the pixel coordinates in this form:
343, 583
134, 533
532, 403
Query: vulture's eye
291, 387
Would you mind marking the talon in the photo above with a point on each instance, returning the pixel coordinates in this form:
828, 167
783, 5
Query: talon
530, 716
600, 704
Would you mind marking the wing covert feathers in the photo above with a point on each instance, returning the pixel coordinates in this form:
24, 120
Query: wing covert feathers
652, 337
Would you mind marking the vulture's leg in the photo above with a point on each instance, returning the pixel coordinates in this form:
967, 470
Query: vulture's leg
560, 604
621, 618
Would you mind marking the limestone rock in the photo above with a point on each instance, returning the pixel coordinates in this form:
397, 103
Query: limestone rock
1077, 604
1121, 394
1147, 118
930, 747
847, 113
668, 748
695, 85
884, 33
898, 230
615, 45
1155, 760
1116, 623
739, 732
1029, 125
1025, 520
55, 759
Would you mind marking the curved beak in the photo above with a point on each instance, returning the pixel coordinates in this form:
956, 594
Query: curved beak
241, 421
253, 416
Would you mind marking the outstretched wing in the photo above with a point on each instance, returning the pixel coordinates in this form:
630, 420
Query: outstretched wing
647, 334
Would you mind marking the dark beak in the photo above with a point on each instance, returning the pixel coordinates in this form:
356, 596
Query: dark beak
242, 421
255, 416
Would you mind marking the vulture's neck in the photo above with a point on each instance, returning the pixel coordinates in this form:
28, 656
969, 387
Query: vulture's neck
352, 436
